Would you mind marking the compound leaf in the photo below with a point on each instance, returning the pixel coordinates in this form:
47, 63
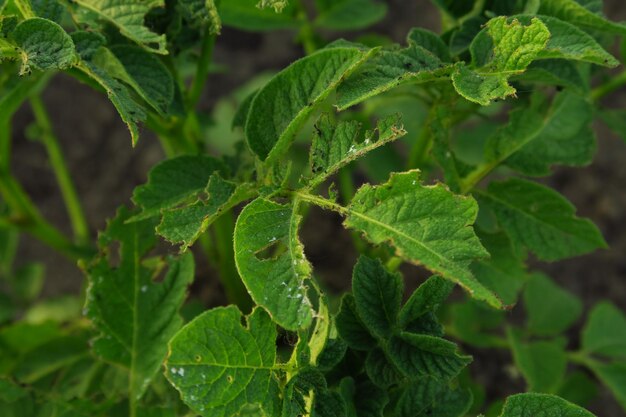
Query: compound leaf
292, 95
128, 16
335, 145
534, 405
551, 310
377, 295
173, 182
541, 219
605, 331
427, 225
271, 261
221, 367
574, 12
135, 315
44, 45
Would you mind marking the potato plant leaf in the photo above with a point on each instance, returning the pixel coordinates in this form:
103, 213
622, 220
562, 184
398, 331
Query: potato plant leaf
135, 315
128, 16
271, 261
44, 45
336, 144
574, 12
293, 94
222, 368
613, 375
605, 332
202, 13
532, 405
426, 225
431, 397
510, 48
243, 15
540, 219
349, 14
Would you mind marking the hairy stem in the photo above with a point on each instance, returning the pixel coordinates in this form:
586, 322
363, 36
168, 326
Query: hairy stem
202, 70
64, 179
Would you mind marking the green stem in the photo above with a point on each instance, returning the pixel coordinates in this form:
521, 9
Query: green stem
306, 35
473, 178
202, 70
223, 230
611, 85
321, 202
64, 179
421, 146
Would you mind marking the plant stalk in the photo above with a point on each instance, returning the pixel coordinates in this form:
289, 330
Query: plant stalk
607, 88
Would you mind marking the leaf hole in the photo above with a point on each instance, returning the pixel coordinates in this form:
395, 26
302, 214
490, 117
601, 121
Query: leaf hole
273, 250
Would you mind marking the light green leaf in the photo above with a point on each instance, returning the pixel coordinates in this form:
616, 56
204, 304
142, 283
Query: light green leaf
221, 367
202, 13
134, 315
543, 363
128, 16
389, 69
351, 327
243, 14
508, 50
421, 355
292, 95
605, 331
271, 261
335, 145
535, 405
377, 295
350, 14
504, 273
427, 298
541, 219
613, 375
574, 12
44, 45
431, 397
186, 223
551, 310
174, 182
277, 5
427, 225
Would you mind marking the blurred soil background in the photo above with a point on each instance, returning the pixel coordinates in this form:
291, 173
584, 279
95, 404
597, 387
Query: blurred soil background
106, 169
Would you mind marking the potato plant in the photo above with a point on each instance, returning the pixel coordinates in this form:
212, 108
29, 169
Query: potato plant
430, 151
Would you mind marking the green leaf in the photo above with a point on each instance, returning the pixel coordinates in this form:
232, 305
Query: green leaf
427, 225
510, 49
389, 69
574, 12
420, 355
551, 310
367, 399
431, 42
350, 14
242, 14
277, 5
335, 145
202, 13
292, 95
605, 331
543, 363
615, 120
143, 71
174, 182
221, 367
185, 224
351, 327
381, 371
557, 72
579, 388
377, 295
504, 273
540, 219
427, 298
538, 137
613, 375
135, 315
431, 397
534, 405
128, 16
44, 45
276, 281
